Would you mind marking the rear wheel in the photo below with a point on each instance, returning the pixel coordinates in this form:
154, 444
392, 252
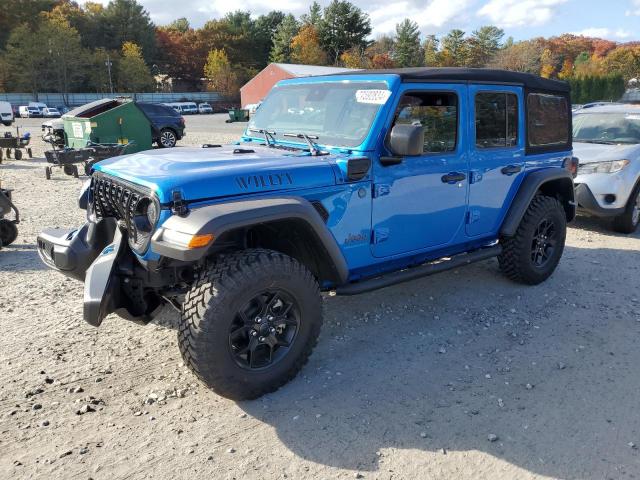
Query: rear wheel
250, 322
168, 138
629, 220
8, 232
533, 253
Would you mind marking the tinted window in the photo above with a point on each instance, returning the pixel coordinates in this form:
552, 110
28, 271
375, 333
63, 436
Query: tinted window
547, 120
496, 120
437, 113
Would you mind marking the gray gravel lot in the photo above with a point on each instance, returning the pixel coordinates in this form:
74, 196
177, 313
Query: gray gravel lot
463, 375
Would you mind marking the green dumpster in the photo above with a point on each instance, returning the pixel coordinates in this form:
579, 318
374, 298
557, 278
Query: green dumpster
108, 121
238, 115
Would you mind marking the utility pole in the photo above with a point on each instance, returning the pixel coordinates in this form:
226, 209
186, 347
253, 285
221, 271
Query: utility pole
108, 63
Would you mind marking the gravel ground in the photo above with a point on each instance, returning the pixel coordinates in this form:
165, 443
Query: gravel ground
461, 375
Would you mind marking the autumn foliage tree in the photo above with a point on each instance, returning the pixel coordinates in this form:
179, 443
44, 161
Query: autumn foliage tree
305, 47
221, 75
133, 73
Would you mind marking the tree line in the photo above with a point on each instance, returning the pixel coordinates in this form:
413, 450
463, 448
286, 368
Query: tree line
60, 46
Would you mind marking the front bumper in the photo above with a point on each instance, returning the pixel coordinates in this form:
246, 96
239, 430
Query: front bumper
92, 254
587, 203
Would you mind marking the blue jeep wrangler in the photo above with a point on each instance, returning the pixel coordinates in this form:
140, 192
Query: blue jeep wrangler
344, 183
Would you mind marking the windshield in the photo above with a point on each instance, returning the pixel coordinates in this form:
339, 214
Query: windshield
333, 113
607, 128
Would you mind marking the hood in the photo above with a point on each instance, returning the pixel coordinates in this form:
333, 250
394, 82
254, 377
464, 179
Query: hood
200, 173
595, 152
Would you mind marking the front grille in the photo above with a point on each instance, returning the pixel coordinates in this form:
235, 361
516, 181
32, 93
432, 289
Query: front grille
114, 198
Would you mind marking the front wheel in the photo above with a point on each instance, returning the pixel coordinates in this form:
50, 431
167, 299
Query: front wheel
629, 220
533, 253
168, 138
250, 322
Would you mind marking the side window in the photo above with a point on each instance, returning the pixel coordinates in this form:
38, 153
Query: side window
437, 112
547, 120
496, 120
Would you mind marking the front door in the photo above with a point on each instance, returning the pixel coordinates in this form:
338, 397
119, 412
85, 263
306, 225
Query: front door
420, 203
496, 155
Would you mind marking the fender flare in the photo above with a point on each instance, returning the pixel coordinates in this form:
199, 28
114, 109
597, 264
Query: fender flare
224, 217
556, 180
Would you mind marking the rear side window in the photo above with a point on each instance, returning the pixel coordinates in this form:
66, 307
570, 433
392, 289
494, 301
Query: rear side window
547, 120
437, 112
496, 120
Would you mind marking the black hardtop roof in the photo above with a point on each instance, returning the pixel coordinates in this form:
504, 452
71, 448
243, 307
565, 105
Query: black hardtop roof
455, 74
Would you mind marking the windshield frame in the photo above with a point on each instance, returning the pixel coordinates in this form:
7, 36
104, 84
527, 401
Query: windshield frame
370, 139
602, 141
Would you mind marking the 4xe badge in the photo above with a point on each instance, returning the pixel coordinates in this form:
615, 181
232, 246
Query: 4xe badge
251, 182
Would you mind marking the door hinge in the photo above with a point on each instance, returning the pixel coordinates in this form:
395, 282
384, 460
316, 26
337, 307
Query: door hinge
380, 235
381, 189
475, 176
473, 216
178, 205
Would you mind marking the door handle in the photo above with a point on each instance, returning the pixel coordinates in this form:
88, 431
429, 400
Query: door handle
511, 169
453, 177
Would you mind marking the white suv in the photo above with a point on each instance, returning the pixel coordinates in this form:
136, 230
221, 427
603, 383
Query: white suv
606, 140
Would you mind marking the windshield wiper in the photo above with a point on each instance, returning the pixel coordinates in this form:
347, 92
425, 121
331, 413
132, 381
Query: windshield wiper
268, 136
313, 148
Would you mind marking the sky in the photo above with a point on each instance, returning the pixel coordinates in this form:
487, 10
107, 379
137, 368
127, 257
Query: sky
522, 19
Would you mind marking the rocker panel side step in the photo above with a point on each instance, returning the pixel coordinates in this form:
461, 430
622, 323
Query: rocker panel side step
423, 270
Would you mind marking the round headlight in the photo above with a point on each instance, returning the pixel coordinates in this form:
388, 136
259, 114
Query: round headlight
152, 213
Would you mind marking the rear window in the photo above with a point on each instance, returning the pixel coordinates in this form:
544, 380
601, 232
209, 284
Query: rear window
496, 120
547, 121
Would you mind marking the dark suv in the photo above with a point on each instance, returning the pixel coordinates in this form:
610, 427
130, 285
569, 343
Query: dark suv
167, 124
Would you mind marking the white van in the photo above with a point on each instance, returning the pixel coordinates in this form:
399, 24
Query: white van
176, 106
189, 108
39, 105
6, 114
29, 112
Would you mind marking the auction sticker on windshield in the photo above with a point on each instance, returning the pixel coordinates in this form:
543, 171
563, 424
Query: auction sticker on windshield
375, 97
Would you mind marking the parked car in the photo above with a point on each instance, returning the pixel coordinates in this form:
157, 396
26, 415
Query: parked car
168, 125
6, 114
175, 106
30, 112
205, 108
188, 108
350, 196
39, 105
63, 109
50, 112
607, 142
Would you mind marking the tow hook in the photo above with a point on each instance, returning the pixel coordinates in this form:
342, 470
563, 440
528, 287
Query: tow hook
178, 205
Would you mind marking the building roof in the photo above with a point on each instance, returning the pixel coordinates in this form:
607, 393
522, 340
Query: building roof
623, 108
311, 70
428, 74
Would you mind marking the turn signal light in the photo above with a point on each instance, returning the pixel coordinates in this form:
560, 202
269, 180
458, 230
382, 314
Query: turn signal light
198, 241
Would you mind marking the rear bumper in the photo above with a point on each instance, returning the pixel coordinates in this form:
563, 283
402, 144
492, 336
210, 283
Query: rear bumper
587, 203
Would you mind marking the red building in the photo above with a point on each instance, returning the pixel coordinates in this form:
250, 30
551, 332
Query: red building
257, 88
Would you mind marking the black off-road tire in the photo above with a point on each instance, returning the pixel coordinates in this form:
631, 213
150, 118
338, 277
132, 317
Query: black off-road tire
628, 222
8, 232
47, 172
211, 307
516, 260
17, 154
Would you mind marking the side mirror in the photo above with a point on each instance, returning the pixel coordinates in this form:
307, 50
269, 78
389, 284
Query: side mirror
407, 140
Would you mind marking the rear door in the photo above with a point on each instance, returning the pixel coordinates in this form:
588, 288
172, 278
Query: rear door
496, 154
420, 203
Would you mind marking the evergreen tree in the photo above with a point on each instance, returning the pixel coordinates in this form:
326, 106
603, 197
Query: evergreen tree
408, 52
455, 50
483, 45
281, 51
343, 27
314, 17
